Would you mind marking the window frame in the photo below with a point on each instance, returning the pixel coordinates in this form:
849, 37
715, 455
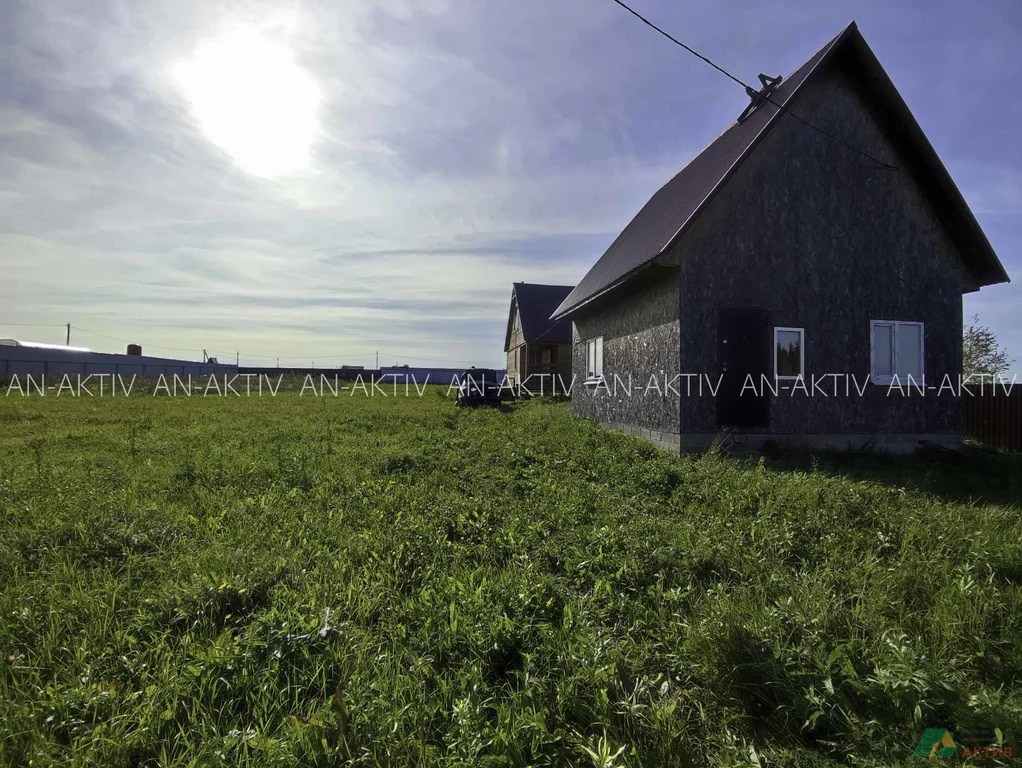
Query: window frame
895, 325
594, 376
801, 353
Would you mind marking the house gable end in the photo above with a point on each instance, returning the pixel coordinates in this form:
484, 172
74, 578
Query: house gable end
826, 240
514, 322
683, 199
910, 150
534, 304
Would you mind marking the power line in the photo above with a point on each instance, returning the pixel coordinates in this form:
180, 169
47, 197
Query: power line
331, 357
34, 325
291, 358
428, 359
128, 341
749, 89
832, 137
695, 53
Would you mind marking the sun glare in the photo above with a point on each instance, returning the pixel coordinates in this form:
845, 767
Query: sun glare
252, 100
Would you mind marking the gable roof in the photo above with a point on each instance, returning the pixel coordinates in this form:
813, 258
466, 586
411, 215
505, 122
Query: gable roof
535, 304
677, 204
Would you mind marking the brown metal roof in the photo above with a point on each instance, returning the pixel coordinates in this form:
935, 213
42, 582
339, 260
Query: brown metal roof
675, 206
535, 305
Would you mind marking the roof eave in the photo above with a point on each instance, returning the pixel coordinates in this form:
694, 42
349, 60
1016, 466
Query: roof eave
560, 315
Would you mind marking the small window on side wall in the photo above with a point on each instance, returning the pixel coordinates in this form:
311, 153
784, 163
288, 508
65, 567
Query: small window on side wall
789, 353
594, 359
896, 350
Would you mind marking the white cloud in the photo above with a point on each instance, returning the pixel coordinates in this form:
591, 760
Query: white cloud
460, 146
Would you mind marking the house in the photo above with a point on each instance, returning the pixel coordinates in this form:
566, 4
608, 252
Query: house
818, 249
537, 346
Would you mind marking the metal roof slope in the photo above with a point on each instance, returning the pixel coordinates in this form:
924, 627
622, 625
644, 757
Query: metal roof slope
669, 210
536, 304
673, 208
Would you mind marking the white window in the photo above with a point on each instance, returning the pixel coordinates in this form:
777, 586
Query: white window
789, 353
896, 349
594, 359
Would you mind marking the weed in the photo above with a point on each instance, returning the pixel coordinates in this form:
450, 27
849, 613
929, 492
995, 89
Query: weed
393, 582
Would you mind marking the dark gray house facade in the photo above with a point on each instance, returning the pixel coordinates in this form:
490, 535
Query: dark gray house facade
795, 282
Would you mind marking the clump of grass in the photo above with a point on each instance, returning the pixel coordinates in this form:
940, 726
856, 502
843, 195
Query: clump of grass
392, 581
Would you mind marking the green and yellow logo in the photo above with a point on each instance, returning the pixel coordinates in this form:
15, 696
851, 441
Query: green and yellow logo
936, 742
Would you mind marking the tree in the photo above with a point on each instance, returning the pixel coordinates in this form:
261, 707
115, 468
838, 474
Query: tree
981, 353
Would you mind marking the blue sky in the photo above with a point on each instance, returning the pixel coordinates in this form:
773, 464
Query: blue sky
415, 157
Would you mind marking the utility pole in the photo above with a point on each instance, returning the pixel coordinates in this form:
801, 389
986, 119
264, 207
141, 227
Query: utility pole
237, 359
278, 362
205, 357
377, 359
68, 342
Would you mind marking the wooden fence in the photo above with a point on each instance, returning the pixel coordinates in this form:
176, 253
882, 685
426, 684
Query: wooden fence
994, 418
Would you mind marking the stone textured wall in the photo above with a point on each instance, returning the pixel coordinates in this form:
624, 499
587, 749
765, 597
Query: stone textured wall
824, 239
639, 325
667, 440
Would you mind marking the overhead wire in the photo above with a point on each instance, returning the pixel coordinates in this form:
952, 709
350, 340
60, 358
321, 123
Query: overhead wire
766, 97
289, 358
34, 325
128, 341
750, 89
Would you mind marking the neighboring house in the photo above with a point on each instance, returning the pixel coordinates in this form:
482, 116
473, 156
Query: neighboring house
534, 343
841, 246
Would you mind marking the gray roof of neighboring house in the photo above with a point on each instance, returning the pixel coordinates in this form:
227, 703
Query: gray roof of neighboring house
676, 205
536, 304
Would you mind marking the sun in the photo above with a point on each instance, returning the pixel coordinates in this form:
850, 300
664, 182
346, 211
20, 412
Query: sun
253, 100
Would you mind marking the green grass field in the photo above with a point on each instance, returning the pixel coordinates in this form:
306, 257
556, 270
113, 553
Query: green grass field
368, 581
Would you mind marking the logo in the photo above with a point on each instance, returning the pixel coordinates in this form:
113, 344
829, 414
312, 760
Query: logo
972, 742
936, 742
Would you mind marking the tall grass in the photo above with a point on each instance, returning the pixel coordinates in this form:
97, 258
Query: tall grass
370, 581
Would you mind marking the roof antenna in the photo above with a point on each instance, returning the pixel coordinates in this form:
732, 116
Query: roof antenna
758, 97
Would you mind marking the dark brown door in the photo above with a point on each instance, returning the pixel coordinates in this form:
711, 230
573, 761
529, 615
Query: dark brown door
743, 360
